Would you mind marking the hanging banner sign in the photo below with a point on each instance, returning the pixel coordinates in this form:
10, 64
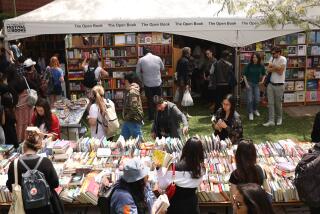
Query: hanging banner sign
14, 29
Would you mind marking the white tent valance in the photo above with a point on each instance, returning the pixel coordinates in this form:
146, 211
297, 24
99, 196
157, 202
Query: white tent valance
184, 17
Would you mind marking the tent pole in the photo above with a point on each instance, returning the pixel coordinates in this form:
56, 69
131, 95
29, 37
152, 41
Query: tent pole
237, 74
14, 8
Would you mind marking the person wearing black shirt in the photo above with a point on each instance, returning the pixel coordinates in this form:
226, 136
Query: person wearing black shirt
31, 145
247, 169
184, 71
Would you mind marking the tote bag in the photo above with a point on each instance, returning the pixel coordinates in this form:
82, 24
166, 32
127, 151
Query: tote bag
17, 202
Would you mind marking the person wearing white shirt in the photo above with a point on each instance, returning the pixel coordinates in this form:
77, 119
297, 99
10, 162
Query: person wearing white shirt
95, 117
187, 175
149, 70
275, 89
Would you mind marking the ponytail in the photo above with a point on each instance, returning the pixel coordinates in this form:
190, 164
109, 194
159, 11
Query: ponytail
98, 92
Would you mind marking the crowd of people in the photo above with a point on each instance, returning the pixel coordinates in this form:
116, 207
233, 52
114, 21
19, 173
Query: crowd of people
132, 192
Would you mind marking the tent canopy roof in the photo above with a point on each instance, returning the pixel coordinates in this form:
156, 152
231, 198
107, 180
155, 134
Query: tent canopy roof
198, 19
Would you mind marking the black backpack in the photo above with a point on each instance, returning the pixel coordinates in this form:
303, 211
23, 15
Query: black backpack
90, 78
35, 189
104, 200
307, 178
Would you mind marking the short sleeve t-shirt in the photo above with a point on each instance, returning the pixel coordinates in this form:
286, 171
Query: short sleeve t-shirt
234, 179
254, 72
275, 77
94, 112
97, 72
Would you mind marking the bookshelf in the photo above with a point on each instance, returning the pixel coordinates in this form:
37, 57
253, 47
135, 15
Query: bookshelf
118, 53
302, 51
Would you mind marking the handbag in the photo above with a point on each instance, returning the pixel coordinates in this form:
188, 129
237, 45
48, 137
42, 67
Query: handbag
267, 80
17, 202
171, 189
32, 95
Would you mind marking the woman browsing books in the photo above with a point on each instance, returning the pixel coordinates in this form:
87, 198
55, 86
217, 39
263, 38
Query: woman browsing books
247, 170
30, 159
186, 175
226, 122
45, 120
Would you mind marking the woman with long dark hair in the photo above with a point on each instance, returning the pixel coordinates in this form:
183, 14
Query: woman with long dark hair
251, 199
132, 192
45, 120
227, 122
187, 177
254, 74
247, 171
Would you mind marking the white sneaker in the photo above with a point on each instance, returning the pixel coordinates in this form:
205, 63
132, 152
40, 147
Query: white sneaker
269, 123
279, 122
251, 116
256, 113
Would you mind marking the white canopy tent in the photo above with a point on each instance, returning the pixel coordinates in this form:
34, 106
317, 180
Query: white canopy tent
194, 18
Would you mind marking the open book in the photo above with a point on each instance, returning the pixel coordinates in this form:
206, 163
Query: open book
162, 158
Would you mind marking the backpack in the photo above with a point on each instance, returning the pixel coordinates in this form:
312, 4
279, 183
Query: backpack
90, 78
110, 120
36, 192
32, 95
307, 179
104, 200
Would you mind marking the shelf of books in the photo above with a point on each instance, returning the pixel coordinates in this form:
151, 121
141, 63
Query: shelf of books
302, 51
85, 165
118, 54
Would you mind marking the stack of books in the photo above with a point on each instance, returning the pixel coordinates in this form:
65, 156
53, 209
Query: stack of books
62, 150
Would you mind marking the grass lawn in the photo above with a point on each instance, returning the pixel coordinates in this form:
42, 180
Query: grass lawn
293, 128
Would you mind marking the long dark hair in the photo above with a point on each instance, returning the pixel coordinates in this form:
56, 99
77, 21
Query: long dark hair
192, 155
258, 57
136, 189
232, 101
256, 199
47, 117
246, 158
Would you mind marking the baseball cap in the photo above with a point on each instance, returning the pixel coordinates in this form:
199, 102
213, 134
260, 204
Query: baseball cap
28, 62
134, 170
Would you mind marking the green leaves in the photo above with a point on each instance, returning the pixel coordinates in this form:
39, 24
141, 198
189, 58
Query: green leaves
275, 12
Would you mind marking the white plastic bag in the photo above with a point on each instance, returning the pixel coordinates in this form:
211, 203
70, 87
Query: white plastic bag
187, 99
176, 96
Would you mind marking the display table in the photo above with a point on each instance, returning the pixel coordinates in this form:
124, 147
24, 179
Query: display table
70, 114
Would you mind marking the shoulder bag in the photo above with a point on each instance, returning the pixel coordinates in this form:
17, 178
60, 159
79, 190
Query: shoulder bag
171, 189
32, 95
17, 202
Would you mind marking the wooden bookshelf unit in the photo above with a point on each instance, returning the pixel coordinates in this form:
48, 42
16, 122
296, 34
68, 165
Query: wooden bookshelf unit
118, 54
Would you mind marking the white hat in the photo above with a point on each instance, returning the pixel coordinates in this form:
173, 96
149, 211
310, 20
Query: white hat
28, 62
134, 170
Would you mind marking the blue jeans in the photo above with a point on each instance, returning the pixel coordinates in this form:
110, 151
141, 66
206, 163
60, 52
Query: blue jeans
131, 129
253, 97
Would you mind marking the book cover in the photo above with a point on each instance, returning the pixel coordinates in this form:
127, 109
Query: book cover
312, 85
166, 38
312, 37
289, 86
292, 50
119, 39
300, 74
289, 98
299, 85
301, 38
302, 50
300, 96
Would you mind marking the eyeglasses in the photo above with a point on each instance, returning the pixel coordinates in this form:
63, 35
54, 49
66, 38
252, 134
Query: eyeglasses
236, 202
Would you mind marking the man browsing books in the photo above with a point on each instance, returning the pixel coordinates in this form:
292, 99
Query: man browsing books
149, 70
167, 120
275, 89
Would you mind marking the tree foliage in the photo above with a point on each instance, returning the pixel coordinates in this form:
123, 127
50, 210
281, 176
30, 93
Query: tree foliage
275, 12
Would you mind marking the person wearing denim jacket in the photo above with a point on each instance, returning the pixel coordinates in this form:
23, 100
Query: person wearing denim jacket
133, 194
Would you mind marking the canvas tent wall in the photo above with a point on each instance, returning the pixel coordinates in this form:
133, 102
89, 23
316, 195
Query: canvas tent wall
183, 17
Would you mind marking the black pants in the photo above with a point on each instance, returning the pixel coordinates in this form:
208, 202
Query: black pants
220, 92
150, 92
